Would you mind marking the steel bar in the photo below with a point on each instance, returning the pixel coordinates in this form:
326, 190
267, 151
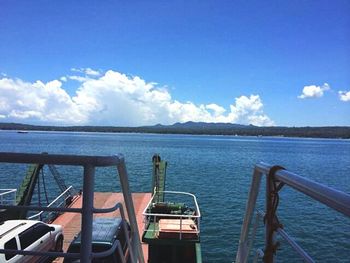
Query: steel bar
335, 199
255, 228
295, 246
128, 241
82, 160
49, 205
243, 253
124, 183
87, 214
270, 219
43, 208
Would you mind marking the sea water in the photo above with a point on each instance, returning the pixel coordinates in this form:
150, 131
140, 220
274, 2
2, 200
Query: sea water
218, 170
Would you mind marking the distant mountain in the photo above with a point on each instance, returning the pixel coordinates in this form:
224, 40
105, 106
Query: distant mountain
201, 125
203, 128
208, 125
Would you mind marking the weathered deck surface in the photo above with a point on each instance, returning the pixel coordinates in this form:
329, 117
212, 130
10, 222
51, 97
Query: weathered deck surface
71, 222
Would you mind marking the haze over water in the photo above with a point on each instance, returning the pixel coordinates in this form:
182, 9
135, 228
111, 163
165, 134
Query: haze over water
218, 170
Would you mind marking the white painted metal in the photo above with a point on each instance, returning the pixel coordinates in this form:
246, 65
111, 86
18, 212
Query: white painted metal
197, 216
37, 216
243, 253
334, 199
8, 196
89, 163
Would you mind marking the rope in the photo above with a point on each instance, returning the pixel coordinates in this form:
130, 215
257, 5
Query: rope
270, 217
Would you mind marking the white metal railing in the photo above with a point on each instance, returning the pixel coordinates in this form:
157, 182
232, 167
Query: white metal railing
259, 253
195, 217
88, 163
334, 199
37, 215
8, 196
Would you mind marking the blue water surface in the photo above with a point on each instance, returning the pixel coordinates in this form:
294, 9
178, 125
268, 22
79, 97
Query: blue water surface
218, 170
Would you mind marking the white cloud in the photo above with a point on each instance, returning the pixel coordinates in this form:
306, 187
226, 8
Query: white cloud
314, 91
78, 78
344, 95
91, 72
217, 110
38, 102
115, 99
87, 71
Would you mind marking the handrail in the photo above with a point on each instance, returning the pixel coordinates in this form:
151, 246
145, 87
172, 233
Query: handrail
60, 159
172, 192
49, 205
181, 216
88, 163
334, 199
7, 192
286, 237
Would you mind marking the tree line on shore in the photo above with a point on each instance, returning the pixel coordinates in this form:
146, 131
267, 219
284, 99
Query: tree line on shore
199, 128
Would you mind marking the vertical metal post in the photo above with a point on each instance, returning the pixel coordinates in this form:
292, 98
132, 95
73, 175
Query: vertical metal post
243, 253
87, 213
124, 182
180, 227
269, 231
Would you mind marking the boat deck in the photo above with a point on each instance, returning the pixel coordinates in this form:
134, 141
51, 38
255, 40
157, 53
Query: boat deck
71, 222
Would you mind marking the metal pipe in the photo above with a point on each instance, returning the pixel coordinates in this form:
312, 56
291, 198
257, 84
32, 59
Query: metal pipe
295, 246
335, 199
180, 227
49, 205
243, 253
124, 183
87, 214
8, 191
255, 228
198, 213
120, 252
270, 219
82, 160
43, 208
127, 237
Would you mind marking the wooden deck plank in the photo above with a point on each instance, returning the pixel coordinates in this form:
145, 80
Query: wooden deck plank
71, 222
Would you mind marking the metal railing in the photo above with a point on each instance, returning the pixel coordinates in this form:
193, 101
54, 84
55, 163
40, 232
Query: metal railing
276, 178
89, 163
148, 216
8, 196
38, 216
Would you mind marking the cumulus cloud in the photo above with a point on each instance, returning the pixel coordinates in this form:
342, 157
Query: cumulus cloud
38, 102
344, 95
114, 98
217, 110
314, 91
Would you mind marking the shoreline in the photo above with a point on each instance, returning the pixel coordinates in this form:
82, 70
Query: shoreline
25, 132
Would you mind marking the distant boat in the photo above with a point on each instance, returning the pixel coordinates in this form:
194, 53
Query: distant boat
22, 132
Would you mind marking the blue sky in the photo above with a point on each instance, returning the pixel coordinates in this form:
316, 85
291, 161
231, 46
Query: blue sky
147, 62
